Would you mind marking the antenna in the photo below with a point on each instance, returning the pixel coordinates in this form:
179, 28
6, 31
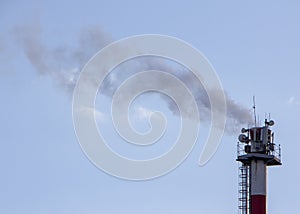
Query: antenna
266, 116
254, 110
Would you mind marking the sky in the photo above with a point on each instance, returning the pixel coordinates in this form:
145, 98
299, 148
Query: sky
253, 47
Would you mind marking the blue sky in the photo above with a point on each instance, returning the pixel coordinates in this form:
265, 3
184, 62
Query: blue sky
253, 46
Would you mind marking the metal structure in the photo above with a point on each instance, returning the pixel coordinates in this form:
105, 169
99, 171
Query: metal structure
256, 151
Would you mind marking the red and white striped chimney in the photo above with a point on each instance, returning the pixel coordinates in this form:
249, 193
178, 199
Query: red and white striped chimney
259, 152
258, 187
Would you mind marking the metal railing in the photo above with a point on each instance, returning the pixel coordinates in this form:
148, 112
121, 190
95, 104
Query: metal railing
273, 149
276, 151
240, 149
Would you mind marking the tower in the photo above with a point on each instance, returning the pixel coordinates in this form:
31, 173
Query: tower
256, 151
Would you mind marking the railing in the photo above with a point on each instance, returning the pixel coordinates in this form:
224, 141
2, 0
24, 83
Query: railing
240, 149
272, 149
276, 151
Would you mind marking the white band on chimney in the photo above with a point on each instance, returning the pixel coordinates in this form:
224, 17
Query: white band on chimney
258, 177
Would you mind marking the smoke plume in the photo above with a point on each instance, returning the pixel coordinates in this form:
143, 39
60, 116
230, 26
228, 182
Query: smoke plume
63, 63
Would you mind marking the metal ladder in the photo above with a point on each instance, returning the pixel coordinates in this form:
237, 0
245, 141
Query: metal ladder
244, 189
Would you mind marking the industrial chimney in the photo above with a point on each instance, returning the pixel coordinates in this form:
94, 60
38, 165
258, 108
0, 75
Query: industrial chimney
256, 151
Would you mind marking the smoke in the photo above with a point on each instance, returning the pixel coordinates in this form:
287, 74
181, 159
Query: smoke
237, 114
63, 63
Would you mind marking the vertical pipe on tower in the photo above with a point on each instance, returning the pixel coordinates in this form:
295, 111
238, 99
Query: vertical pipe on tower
258, 187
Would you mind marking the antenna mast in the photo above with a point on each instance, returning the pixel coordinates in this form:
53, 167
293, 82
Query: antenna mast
254, 110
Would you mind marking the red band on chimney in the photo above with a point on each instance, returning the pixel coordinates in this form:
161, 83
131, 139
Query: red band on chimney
258, 204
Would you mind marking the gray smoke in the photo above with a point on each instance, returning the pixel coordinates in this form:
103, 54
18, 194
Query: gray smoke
237, 114
64, 63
